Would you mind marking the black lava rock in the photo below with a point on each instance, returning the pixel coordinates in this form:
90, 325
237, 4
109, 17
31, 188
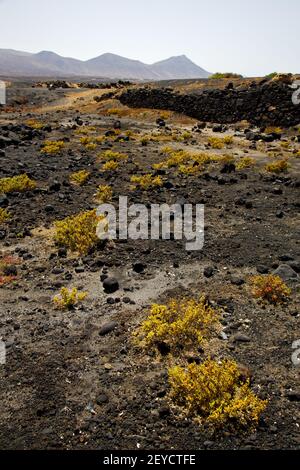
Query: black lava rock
108, 328
110, 285
208, 271
138, 267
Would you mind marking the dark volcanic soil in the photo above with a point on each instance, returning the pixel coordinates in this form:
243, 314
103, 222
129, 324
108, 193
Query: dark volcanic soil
64, 385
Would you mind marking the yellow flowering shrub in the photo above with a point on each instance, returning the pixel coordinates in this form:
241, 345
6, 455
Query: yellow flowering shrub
78, 233
273, 129
119, 112
189, 169
167, 149
86, 140
219, 142
228, 140
80, 177
183, 323
16, 184
4, 215
34, 124
84, 130
270, 288
280, 166
228, 158
99, 139
91, 143
68, 298
110, 166
110, 155
285, 145
245, 162
214, 393
146, 181
183, 161
158, 166
52, 147
104, 194
91, 147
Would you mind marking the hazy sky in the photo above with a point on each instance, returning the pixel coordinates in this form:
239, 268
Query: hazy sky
252, 37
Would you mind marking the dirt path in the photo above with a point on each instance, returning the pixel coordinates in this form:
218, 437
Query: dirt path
72, 99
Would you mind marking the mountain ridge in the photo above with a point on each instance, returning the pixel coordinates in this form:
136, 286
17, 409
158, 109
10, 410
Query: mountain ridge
109, 65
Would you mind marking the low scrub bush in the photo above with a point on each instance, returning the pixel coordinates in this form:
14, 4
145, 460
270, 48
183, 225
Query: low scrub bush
4, 216
190, 169
78, 232
34, 124
52, 147
285, 145
184, 161
270, 288
272, 75
80, 177
109, 155
8, 271
281, 166
104, 194
16, 184
219, 75
91, 146
119, 112
146, 181
215, 394
220, 142
69, 298
273, 130
84, 130
245, 162
91, 143
110, 166
86, 140
181, 324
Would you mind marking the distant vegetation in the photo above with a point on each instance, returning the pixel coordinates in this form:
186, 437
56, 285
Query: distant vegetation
218, 75
272, 75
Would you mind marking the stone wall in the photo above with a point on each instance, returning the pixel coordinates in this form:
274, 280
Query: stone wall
261, 103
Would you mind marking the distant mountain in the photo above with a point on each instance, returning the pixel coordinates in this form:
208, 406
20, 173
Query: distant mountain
179, 67
115, 66
46, 63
